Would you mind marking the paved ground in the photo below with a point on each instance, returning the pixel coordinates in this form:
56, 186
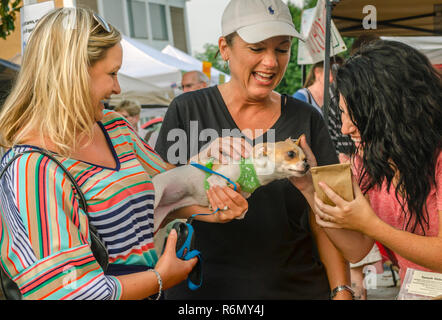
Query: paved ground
382, 288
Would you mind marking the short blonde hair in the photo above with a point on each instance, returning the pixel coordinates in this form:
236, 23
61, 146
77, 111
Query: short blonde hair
52, 92
132, 107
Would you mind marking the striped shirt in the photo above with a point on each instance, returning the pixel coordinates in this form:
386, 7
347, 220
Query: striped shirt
44, 235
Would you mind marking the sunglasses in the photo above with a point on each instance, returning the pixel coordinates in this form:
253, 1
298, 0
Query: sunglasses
102, 22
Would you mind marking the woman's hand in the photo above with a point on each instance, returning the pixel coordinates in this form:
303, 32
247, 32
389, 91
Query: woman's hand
305, 183
224, 149
231, 204
354, 215
172, 269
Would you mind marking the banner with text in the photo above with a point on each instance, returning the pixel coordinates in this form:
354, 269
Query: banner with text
313, 29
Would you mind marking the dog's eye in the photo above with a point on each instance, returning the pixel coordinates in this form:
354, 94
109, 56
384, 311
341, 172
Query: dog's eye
291, 154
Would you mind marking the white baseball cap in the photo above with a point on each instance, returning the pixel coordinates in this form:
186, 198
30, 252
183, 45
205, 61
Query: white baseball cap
257, 20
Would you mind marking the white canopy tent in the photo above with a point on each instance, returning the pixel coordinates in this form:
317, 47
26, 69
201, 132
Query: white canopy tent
431, 46
147, 75
151, 76
197, 64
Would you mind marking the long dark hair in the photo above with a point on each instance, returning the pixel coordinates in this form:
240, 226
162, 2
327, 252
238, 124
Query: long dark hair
394, 98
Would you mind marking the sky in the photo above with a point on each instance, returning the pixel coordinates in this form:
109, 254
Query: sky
204, 17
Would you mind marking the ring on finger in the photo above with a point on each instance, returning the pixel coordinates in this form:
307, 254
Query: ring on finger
225, 208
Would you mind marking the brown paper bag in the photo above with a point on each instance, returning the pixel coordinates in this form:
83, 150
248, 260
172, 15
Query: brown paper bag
337, 177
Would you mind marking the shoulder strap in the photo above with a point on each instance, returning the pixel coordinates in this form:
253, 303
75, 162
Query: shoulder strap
9, 288
309, 95
77, 191
284, 99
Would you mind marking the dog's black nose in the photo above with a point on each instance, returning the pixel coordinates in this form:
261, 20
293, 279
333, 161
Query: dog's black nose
306, 166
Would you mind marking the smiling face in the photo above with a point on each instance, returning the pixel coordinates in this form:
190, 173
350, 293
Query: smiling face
103, 78
348, 126
257, 68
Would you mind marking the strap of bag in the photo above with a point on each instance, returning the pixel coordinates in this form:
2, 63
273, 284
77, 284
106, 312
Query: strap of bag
9, 287
309, 95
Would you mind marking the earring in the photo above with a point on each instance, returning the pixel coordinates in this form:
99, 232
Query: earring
226, 64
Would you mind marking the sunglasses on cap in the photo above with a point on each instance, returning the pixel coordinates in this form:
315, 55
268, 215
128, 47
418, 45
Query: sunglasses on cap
102, 22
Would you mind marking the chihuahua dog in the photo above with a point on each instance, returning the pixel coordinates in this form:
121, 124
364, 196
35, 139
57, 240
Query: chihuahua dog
184, 186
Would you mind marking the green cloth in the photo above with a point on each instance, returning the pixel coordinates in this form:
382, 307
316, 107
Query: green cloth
247, 178
209, 165
248, 181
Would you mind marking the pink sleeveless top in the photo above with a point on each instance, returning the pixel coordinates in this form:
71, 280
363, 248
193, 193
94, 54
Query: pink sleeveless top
386, 206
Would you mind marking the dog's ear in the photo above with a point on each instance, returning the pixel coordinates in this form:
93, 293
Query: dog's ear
298, 141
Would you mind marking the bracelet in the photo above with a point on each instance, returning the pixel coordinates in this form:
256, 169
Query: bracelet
335, 291
160, 283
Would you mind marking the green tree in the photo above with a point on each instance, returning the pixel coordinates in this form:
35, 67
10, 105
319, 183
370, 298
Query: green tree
292, 80
211, 54
8, 11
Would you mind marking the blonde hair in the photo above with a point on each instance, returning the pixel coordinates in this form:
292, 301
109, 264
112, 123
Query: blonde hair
52, 91
132, 107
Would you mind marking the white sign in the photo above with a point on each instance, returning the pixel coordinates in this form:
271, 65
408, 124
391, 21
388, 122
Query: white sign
418, 285
313, 29
29, 16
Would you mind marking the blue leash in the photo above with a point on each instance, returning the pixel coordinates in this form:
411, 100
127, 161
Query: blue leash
204, 168
186, 254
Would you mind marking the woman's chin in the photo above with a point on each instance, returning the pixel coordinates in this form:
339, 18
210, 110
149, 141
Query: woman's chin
99, 112
261, 92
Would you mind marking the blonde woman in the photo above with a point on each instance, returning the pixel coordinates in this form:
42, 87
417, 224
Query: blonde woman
70, 66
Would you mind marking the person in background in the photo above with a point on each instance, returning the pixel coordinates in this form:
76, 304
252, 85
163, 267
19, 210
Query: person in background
313, 90
391, 98
70, 66
277, 251
313, 93
191, 81
194, 80
131, 110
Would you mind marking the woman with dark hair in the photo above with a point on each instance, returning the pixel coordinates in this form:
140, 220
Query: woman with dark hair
391, 101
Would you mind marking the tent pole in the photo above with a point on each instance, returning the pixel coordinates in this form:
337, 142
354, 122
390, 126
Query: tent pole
325, 108
303, 69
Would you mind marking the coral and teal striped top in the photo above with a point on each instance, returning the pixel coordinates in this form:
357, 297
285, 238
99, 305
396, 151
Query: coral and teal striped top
44, 236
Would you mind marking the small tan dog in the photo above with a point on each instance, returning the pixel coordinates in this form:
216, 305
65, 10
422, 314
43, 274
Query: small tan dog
185, 185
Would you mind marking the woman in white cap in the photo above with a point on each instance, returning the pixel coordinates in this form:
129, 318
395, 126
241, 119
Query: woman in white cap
277, 251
